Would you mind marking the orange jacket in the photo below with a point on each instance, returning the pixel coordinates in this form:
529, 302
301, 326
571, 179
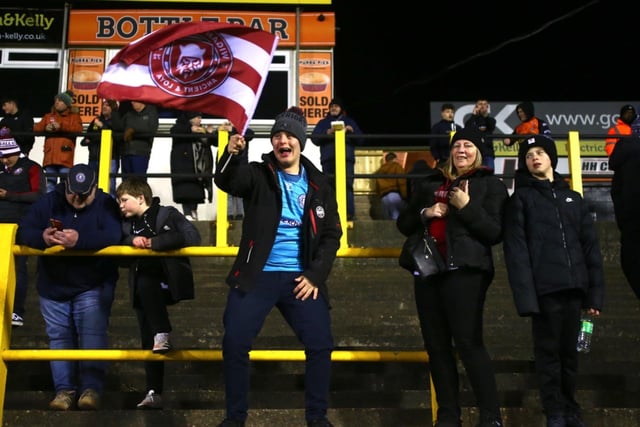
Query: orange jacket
621, 128
386, 185
58, 149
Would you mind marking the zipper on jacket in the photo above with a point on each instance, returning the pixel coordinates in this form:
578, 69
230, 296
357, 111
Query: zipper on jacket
562, 232
248, 258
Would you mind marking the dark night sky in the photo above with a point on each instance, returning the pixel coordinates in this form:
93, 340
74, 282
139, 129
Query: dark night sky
392, 61
389, 64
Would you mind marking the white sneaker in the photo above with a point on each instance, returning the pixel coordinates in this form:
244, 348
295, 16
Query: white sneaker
17, 320
151, 401
161, 343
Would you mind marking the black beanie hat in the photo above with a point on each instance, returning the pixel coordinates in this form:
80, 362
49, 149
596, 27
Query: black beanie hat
470, 134
337, 101
548, 144
292, 121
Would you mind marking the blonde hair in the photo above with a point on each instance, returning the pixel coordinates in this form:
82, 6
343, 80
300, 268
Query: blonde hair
450, 171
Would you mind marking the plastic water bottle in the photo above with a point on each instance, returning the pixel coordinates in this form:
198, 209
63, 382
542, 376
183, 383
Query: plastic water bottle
584, 336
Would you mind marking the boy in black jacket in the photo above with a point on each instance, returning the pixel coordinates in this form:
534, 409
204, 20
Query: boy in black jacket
155, 282
555, 270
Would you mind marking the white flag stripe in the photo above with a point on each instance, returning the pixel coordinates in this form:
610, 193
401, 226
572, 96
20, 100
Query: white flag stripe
133, 75
247, 51
138, 76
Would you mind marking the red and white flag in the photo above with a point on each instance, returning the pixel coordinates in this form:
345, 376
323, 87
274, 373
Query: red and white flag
211, 67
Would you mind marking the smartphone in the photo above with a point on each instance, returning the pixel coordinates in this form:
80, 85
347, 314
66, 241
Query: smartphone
56, 223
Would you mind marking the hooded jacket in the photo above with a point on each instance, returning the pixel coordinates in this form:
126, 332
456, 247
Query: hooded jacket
551, 244
531, 125
257, 183
60, 278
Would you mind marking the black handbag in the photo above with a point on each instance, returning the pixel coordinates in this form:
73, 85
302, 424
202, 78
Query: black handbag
420, 256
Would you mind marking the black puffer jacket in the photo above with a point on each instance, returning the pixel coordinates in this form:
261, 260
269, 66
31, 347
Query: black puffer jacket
551, 244
472, 230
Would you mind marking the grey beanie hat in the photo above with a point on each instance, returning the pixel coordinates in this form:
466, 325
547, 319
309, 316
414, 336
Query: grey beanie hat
293, 122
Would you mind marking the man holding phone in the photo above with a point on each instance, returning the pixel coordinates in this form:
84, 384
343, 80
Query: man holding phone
76, 292
486, 125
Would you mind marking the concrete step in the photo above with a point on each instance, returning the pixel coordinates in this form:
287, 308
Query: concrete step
373, 309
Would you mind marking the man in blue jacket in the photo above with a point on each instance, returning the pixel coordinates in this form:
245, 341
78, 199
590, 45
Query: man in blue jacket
323, 136
290, 236
76, 292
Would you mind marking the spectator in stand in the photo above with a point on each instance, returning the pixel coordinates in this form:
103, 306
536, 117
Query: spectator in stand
19, 121
461, 205
59, 127
530, 124
555, 271
155, 282
625, 194
622, 127
439, 146
290, 237
393, 189
76, 292
191, 162
338, 112
140, 125
22, 182
94, 138
481, 120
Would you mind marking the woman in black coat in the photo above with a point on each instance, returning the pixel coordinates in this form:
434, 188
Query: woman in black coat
191, 162
462, 206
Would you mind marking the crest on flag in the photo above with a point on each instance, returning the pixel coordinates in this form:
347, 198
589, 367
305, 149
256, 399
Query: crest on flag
212, 67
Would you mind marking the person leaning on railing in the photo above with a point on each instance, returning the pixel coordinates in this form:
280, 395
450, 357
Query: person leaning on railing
76, 292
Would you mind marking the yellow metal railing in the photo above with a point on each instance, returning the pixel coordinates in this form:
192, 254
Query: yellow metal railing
7, 280
8, 249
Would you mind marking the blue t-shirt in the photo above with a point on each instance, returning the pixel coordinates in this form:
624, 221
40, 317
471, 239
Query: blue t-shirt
285, 254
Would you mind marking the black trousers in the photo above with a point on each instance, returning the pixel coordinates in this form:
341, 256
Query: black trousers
450, 309
149, 302
555, 333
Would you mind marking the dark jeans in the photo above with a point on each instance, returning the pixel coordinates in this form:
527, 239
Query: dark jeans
244, 317
555, 332
450, 309
134, 165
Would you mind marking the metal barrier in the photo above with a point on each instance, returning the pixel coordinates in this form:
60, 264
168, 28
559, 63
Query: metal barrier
8, 248
7, 281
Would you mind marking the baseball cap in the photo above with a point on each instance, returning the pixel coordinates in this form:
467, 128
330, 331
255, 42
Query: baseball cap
81, 179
